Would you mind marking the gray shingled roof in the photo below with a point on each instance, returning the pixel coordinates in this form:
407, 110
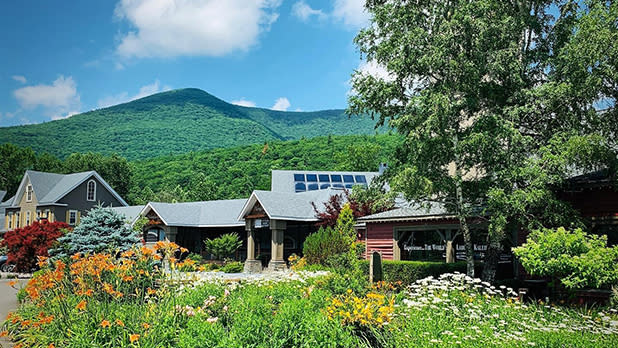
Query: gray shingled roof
130, 213
221, 213
51, 187
412, 212
289, 206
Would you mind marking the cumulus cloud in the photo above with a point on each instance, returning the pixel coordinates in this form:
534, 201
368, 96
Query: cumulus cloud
124, 97
19, 78
374, 69
351, 12
58, 98
303, 11
243, 102
66, 115
169, 28
281, 104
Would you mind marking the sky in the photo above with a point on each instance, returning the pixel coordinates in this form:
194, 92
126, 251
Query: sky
59, 58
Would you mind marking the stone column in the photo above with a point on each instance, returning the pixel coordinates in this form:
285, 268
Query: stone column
450, 252
251, 264
396, 249
277, 263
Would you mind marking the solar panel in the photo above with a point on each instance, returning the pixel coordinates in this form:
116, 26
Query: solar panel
299, 177
348, 178
349, 186
312, 187
338, 185
300, 187
324, 178
335, 178
324, 186
361, 179
312, 177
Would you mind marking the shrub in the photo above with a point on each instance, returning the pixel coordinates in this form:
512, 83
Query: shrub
232, 267
102, 229
223, 246
25, 244
578, 259
408, 272
328, 242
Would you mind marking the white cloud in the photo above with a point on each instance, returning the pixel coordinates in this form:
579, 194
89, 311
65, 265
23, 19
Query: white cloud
374, 69
58, 98
243, 102
303, 11
351, 12
67, 115
168, 28
19, 78
124, 97
281, 104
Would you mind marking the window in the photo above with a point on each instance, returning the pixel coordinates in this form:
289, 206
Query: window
155, 235
10, 225
38, 214
72, 217
18, 218
46, 214
29, 193
91, 193
27, 218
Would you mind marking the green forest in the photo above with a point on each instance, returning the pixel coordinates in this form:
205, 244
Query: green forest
176, 122
223, 173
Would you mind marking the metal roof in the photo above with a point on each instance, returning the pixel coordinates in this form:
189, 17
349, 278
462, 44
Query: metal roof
221, 213
414, 211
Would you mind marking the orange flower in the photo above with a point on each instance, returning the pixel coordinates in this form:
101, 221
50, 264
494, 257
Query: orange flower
146, 326
127, 278
134, 337
105, 323
12, 283
51, 345
42, 260
75, 257
149, 291
4, 333
81, 305
119, 322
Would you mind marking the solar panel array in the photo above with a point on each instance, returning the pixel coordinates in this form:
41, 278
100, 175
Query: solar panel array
313, 182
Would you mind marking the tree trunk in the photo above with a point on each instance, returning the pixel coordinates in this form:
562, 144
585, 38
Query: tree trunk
464, 227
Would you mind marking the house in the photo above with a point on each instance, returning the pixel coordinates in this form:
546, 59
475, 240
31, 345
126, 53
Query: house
57, 197
273, 224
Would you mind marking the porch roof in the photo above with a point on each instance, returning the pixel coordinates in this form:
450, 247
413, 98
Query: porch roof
221, 213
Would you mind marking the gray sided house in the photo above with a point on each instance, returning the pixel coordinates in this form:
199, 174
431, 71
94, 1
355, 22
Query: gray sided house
57, 197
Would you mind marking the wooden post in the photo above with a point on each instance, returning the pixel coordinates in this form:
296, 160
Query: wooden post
251, 264
375, 267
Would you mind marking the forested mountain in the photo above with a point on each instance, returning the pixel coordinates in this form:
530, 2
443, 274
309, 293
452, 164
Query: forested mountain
176, 122
235, 172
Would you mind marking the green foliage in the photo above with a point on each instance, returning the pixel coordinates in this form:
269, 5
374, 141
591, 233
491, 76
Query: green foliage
232, 267
578, 259
15, 162
177, 122
408, 272
223, 246
102, 229
324, 244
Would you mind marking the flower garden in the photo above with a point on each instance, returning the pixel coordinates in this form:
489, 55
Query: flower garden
126, 300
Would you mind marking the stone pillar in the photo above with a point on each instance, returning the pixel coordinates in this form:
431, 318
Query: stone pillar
251, 264
277, 263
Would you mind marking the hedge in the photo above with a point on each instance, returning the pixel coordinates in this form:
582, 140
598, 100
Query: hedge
410, 271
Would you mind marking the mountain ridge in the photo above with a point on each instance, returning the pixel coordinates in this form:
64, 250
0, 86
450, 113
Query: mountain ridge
178, 121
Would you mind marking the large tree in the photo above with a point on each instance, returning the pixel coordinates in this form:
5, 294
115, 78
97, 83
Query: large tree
477, 88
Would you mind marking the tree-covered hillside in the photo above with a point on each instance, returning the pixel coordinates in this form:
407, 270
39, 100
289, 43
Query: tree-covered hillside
235, 172
177, 122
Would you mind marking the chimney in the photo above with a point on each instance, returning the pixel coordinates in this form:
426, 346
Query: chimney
382, 168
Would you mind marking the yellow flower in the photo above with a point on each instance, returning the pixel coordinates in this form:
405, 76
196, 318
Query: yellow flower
134, 337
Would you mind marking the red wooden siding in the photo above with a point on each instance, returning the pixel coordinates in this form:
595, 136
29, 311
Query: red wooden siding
594, 202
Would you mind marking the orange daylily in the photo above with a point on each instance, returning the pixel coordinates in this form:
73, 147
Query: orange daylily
105, 323
81, 305
134, 337
119, 322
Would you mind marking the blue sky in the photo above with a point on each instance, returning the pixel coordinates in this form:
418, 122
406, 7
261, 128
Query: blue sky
58, 58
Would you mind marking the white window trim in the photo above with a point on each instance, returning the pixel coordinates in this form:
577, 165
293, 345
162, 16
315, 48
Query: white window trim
74, 222
94, 194
18, 218
29, 193
10, 217
46, 212
28, 218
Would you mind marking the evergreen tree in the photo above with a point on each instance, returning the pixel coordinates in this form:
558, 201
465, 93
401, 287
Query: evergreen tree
102, 229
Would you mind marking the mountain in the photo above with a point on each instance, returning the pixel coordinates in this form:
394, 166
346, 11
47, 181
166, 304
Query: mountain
176, 122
